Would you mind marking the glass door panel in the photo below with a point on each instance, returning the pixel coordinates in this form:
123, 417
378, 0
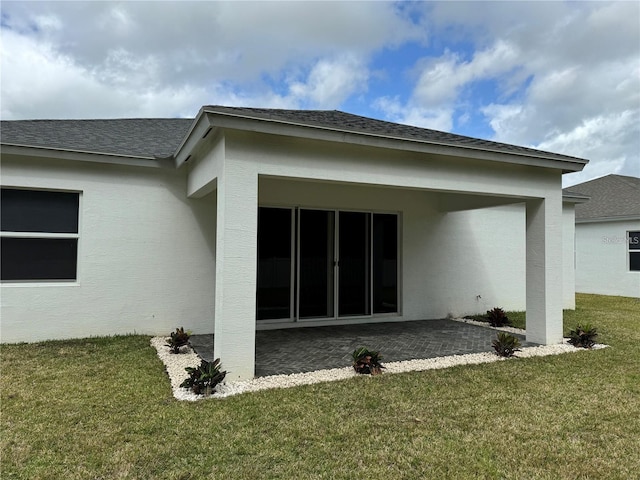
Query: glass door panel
385, 263
353, 264
358, 250
316, 263
273, 300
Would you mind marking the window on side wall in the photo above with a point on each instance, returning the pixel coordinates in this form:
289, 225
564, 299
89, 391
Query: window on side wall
633, 240
39, 235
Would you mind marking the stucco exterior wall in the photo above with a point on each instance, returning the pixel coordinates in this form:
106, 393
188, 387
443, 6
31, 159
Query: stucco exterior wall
326, 161
148, 237
451, 263
486, 260
602, 259
145, 262
483, 265
436, 242
416, 211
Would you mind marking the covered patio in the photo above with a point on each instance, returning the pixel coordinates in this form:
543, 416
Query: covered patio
298, 350
326, 219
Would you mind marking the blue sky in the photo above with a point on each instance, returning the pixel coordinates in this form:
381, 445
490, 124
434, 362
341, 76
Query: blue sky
559, 76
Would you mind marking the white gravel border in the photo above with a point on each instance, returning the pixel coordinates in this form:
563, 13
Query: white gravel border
487, 325
176, 364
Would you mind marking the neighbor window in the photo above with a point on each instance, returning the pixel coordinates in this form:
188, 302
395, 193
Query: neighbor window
634, 251
39, 239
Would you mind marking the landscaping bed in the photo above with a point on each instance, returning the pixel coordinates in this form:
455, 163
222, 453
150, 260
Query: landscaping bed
176, 364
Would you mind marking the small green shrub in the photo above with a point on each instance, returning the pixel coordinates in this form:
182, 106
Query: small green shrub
583, 336
203, 379
178, 339
366, 361
506, 345
497, 317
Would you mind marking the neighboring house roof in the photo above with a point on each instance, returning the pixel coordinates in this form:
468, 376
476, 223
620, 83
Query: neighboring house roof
136, 137
611, 197
162, 137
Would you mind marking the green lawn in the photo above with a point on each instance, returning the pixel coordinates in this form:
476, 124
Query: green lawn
102, 408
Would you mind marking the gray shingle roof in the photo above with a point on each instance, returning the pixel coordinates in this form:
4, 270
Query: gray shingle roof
160, 137
343, 121
611, 196
137, 137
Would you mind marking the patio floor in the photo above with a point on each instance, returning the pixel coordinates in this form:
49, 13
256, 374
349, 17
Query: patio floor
295, 350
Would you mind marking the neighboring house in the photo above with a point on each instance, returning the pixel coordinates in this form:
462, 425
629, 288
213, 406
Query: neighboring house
255, 218
607, 243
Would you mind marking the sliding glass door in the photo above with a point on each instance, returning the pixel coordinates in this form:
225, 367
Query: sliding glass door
275, 273
385, 263
316, 263
354, 290
326, 264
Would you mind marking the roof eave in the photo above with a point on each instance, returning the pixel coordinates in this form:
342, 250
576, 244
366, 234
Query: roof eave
80, 155
210, 118
616, 218
200, 128
575, 198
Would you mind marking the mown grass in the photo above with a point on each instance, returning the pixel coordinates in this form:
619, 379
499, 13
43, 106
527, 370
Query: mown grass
102, 408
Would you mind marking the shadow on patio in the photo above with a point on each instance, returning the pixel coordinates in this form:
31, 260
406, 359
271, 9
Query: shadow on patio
295, 350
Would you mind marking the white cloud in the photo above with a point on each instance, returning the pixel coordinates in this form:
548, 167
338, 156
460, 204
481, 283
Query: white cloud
574, 69
44, 82
437, 84
604, 138
563, 76
225, 50
502, 119
441, 80
437, 91
590, 111
433, 118
330, 82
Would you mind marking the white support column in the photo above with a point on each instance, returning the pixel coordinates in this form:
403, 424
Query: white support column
568, 256
236, 256
544, 269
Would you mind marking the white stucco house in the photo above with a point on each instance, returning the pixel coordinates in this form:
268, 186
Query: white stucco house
607, 236
243, 219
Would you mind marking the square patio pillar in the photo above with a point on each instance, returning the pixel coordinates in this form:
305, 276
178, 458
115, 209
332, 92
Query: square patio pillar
544, 269
236, 256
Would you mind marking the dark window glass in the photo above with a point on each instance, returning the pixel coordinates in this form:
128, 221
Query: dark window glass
316, 263
39, 211
274, 263
353, 278
367, 251
39, 258
634, 261
385, 263
634, 240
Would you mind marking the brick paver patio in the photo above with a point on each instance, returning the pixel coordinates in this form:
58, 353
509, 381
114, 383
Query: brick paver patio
306, 349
